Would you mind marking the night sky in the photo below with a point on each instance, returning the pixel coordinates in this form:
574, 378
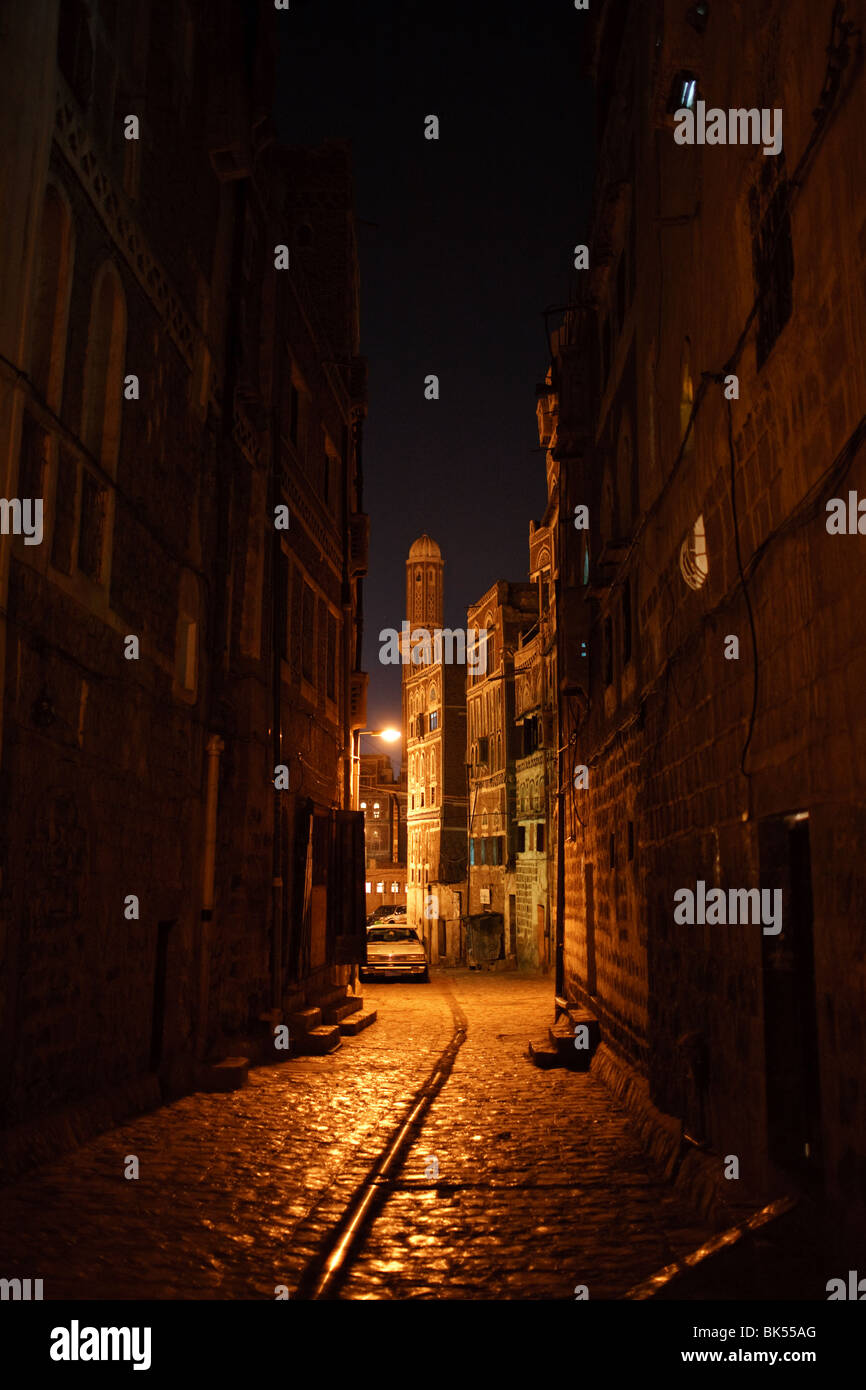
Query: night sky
472, 240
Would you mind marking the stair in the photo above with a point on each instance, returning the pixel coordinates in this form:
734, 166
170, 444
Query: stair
309, 1036
303, 1021
228, 1075
349, 1005
543, 1055
321, 1040
559, 1050
356, 1022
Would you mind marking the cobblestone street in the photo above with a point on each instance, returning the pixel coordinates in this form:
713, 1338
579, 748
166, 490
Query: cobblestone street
541, 1182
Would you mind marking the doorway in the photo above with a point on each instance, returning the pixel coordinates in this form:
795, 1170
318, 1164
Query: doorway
791, 1061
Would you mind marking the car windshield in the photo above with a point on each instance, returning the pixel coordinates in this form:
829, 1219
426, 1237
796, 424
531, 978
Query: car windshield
392, 934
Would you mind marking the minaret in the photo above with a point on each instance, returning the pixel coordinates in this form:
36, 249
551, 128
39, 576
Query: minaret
424, 584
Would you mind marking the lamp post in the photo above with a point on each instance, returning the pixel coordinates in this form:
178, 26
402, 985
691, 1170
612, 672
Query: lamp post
390, 735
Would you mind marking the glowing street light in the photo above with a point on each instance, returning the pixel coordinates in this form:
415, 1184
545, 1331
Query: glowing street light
388, 735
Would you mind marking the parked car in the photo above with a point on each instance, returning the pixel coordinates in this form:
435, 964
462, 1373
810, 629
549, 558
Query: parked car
394, 949
385, 910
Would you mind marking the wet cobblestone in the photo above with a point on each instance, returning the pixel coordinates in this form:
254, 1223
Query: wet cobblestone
542, 1184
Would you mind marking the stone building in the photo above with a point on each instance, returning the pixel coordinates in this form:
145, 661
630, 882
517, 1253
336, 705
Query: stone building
383, 802
709, 394
434, 742
164, 648
536, 763
504, 614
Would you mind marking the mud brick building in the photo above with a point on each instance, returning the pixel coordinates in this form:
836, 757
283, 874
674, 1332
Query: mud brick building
536, 764
383, 802
163, 388
504, 613
434, 743
707, 520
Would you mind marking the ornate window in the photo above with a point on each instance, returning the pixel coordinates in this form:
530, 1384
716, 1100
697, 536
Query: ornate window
694, 561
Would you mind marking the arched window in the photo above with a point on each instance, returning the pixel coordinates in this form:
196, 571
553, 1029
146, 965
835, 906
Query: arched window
51, 303
694, 561
103, 377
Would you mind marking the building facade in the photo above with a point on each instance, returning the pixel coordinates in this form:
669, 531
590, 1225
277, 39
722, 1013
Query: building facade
383, 802
434, 742
536, 763
180, 668
709, 392
504, 614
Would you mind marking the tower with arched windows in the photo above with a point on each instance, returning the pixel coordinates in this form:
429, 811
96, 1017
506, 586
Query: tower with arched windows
434, 723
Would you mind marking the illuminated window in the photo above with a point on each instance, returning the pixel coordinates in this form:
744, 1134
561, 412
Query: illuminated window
363, 805
687, 397
694, 562
375, 810
380, 887
368, 887
684, 90
395, 888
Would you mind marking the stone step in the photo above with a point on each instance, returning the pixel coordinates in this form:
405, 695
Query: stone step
545, 1056
350, 1005
228, 1075
320, 1040
357, 1022
562, 1037
303, 1022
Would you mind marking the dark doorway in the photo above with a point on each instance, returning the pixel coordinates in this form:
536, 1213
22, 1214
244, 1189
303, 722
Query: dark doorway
790, 1025
443, 939
589, 907
160, 977
512, 924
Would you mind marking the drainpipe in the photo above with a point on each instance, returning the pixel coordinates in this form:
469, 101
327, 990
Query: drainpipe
215, 747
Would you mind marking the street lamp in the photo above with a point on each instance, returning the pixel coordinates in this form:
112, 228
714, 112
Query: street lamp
388, 735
